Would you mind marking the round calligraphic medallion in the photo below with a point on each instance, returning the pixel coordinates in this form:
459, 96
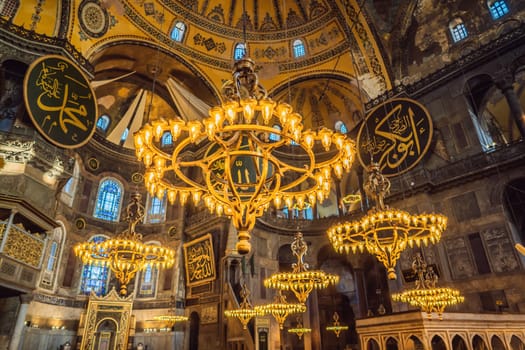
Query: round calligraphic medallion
395, 134
60, 101
94, 19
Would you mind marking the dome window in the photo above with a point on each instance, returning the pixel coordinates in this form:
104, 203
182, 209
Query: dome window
341, 127
239, 52
275, 137
458, 30
178, 31
298, 48
103, 123
497, 8
166, 140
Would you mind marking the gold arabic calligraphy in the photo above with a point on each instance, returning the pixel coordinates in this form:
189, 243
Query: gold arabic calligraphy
199, 261
400, 137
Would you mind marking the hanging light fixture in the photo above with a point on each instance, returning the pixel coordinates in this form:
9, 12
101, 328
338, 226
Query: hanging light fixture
280, 309
300, 281
299, 329
426, 295
336, 327
520, 248
249, 152
171, 318
245, 312
125, 254
385, 232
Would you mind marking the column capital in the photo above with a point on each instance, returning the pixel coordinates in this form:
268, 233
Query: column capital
26, 298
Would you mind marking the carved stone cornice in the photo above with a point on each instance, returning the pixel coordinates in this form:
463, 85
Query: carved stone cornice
492, 51
30, 148
30, 45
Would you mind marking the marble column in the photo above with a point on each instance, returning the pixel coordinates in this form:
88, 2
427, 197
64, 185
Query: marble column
16, 336
505, 85
359, 277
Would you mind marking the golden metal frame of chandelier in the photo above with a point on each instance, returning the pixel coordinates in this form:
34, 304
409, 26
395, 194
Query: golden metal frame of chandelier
336, 327
249, 152
299, 329
520, 248
426, 295
300, 281
125, 254
245, 312
171, 317
385, 232
280, 309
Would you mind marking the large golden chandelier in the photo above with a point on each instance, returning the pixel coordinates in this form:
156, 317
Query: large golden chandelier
280, 309
426, 295
171, 318
249, 152
125, 254
385, 232
245, 312
300, 281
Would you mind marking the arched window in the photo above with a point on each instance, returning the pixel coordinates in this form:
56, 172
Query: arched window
68, 191
497, 8
51, 260
166, 140
94, 277
341, 127
275, 137
239, 52
298, 48
124, 136
177, 33
148, 282
458, 30
109, 197
156, 210
103, 123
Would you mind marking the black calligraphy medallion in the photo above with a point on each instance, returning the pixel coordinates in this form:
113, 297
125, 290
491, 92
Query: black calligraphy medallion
60, 101
199, 260
396, 134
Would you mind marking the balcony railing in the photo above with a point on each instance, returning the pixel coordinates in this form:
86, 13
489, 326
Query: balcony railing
21, 245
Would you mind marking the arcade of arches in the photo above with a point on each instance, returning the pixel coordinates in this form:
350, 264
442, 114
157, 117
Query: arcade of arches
333, 62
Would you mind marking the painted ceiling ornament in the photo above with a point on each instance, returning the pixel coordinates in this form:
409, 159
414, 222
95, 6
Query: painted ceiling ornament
93, 18
385, 232
396, 134
255, 152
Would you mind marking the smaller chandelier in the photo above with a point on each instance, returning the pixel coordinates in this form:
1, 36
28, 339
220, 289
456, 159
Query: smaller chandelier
171, 317
280, 309
385, 232
426, 295
300, 281
299, 329
249, 153
336, 327
245, 312
125, 254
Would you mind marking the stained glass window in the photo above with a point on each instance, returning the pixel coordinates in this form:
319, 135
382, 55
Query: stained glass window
108, 200
341, 127
275, 137
298, 48
52, 257
458, 30
240, 51
148, 282
156, 210
178, 31
498, 8
124, 136
94, 277
103, 123
166, 140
